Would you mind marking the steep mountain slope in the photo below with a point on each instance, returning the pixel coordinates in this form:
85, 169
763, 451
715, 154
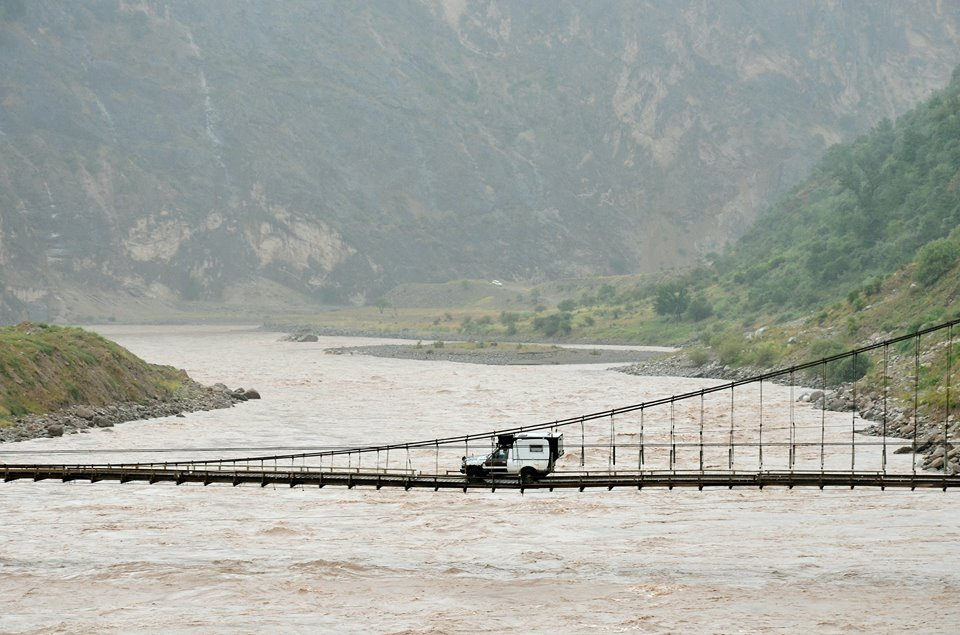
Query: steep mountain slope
868, 209
182, 150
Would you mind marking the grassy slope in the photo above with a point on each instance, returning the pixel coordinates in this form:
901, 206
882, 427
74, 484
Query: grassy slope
44, 368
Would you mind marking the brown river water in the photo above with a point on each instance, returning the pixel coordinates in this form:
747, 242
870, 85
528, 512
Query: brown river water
111, 558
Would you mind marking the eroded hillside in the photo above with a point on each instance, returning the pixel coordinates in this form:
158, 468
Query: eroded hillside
176, 150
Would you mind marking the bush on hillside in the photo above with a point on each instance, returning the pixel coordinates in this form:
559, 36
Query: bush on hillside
935, 259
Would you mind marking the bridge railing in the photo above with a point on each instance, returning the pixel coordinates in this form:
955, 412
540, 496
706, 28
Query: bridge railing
767, 422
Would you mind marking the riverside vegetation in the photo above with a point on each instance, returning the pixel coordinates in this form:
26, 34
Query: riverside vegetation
56, 380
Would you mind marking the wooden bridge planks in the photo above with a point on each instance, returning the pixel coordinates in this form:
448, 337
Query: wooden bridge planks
378, 480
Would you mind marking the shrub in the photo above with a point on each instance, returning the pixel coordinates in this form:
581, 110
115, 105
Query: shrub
729, 349
508, 318
699, 308
935, 259
765, 355
839, 371
698, 356
554, 324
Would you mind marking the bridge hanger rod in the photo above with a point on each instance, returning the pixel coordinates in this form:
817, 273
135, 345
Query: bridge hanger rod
559, 423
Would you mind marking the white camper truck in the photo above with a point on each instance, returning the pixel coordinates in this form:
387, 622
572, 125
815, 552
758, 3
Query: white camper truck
528, 455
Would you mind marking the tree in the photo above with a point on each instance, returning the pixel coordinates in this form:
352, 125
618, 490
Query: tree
554, 324
935, 259
672, 299
699, 308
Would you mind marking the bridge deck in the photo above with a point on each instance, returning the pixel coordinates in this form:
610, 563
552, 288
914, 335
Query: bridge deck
409, 480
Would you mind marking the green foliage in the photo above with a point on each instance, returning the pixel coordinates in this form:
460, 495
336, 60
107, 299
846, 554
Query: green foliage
508, 318
844, 370
381, 303
478, 326
672, 299
554, 324
699, 308
872, 286
935, 259
698, 356
764, 355
48, 367
866, 211
729, 347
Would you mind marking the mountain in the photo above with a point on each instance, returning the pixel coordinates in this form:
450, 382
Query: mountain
252, 153
870, 208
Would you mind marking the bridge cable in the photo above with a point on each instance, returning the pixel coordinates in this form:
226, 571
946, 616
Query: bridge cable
671, 400
640, 453
793, 427
853, 417
701, 431
613, 442
674, 398
582, 449
730, 449
673, 441
946, 414
886, 389
916, 398
760, 434
823, 415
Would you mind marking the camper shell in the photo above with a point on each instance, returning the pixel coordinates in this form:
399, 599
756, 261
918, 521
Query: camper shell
528, 455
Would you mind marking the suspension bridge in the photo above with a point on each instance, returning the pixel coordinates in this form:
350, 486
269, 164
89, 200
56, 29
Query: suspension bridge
727, 435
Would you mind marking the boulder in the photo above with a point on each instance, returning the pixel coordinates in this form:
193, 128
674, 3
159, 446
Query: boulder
251, 393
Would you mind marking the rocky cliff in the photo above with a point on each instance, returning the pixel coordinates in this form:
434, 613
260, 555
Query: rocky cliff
180, 150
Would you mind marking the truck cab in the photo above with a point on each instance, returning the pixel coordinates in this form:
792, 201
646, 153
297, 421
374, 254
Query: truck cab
528, 455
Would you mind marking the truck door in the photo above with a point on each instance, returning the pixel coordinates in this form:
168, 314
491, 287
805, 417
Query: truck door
498, 460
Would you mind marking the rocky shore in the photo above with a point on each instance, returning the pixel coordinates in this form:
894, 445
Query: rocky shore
190, 397
892, 419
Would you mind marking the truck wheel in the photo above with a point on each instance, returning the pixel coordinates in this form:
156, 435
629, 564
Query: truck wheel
528, 475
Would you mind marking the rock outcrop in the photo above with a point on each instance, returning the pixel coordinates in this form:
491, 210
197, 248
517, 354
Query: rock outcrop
417, 141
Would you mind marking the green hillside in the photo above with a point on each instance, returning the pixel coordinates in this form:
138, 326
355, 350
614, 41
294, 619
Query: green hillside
867, 211
868, 245
44, 368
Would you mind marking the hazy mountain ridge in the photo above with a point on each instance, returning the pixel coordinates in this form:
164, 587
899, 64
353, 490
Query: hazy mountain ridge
182, 149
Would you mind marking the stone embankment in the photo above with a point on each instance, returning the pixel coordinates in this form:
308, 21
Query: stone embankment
893, 418
190, 397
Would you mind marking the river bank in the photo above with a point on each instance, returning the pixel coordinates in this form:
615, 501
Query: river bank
503, 354
190, 397
882, 414
891, 418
